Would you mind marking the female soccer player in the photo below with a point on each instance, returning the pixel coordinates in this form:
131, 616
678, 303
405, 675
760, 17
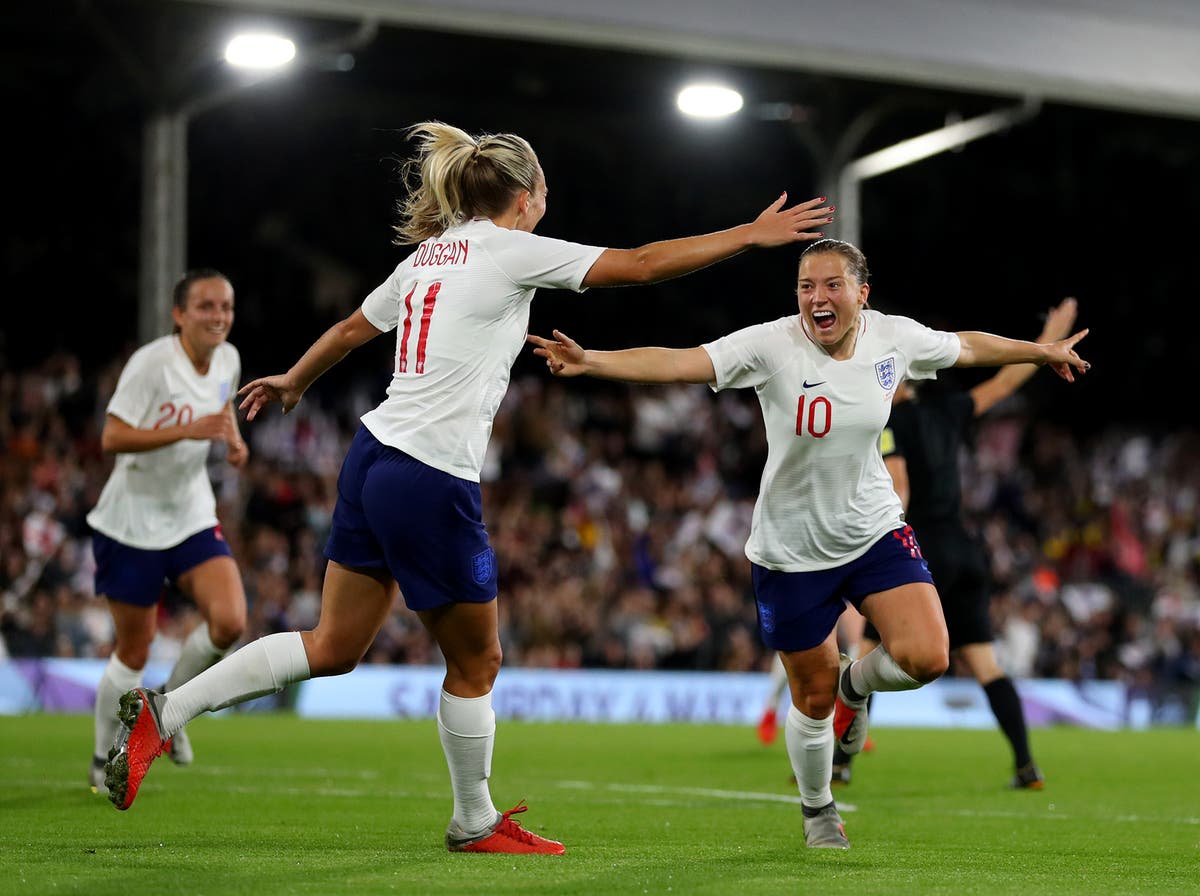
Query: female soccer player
827, 526
156, 519
408, 508
920, 450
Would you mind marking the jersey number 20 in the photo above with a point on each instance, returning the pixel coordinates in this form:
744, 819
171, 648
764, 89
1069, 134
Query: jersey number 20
173, 416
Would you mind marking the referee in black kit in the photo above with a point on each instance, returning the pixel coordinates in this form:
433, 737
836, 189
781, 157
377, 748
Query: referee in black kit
920, 448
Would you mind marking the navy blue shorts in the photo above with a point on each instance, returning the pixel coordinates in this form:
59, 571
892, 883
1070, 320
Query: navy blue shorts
136, 576
422, 525
798, 610
960, 569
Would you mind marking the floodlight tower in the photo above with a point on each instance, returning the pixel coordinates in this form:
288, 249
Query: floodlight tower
164, 255
840, 174
164, 177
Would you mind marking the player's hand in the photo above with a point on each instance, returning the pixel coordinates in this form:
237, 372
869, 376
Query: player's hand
237, 453
217, 427
1059, 321
1063, 359
261, 392
564, 356
777, 226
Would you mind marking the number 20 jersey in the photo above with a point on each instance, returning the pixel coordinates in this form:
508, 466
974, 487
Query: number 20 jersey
154, 500
825, 495
460, 308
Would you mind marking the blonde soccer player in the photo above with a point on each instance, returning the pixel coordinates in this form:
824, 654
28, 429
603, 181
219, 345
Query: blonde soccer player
409, 508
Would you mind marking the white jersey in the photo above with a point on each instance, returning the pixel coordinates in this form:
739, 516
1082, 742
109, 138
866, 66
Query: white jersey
156, 499
825, 495
460, 305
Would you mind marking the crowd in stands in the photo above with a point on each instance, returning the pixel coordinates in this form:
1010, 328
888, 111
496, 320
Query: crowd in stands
618, 516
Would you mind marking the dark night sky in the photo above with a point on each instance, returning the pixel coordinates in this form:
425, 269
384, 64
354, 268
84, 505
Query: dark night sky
292, 189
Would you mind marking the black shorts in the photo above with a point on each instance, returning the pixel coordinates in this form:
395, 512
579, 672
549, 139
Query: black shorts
960, 574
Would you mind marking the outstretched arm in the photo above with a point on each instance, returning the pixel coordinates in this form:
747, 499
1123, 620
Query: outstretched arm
565, 357
663, 260
238, 453
119, 437
334, 344
1009, 379
985, 350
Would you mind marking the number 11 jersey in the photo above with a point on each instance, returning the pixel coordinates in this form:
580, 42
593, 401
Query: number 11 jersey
460, 308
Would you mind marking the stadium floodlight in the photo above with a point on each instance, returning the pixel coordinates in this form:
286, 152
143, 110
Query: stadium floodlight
708, 101
259, 51
165, 156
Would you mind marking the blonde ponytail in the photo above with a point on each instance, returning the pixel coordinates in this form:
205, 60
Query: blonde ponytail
454, 177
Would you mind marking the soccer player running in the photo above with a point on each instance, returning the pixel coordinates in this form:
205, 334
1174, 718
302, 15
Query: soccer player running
850, 630
827, 526
156, 519
408, 508
920, 449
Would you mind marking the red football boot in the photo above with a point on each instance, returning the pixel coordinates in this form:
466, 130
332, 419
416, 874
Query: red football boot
138, 744
505, 836
768, 727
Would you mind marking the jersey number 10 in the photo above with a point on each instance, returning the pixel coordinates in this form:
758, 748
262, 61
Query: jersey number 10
820, 417
423, 335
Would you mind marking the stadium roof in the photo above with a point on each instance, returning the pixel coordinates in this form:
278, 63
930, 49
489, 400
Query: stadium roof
1139, 57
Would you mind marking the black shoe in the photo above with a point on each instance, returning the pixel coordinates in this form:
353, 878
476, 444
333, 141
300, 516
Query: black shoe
841, 774
1028, 777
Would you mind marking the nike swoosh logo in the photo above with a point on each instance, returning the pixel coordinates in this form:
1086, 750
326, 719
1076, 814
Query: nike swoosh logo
808, 385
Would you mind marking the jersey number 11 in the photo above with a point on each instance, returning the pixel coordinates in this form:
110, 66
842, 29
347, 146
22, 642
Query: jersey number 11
423, 336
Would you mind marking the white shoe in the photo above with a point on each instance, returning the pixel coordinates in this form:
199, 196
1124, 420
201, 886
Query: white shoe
825, 830
849, 717
96, 776
180, 748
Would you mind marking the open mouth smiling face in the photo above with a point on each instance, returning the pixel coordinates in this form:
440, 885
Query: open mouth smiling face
830, 298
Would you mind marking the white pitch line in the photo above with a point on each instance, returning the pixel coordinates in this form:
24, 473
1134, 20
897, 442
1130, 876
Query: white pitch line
1052, 815
1049, 814
743, 795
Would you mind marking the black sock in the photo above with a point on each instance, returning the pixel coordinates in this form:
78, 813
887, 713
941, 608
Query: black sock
1006, 706
810, 812
848, 688
840, 756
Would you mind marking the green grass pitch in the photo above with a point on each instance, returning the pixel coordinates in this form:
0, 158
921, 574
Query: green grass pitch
276, 804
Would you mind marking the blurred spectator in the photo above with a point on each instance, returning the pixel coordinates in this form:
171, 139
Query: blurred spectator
619, 522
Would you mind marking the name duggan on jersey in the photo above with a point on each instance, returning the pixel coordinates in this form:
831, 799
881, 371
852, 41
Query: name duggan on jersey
434, 254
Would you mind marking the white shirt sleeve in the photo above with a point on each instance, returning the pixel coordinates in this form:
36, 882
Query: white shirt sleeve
235, 379
926, 351
746, 358
382, 307
135, 388
533, 261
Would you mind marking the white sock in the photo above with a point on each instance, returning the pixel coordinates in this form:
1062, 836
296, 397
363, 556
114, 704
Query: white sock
779, 683
810, 748
467, 727
198, 654
262, 667
877, 671
116, 680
